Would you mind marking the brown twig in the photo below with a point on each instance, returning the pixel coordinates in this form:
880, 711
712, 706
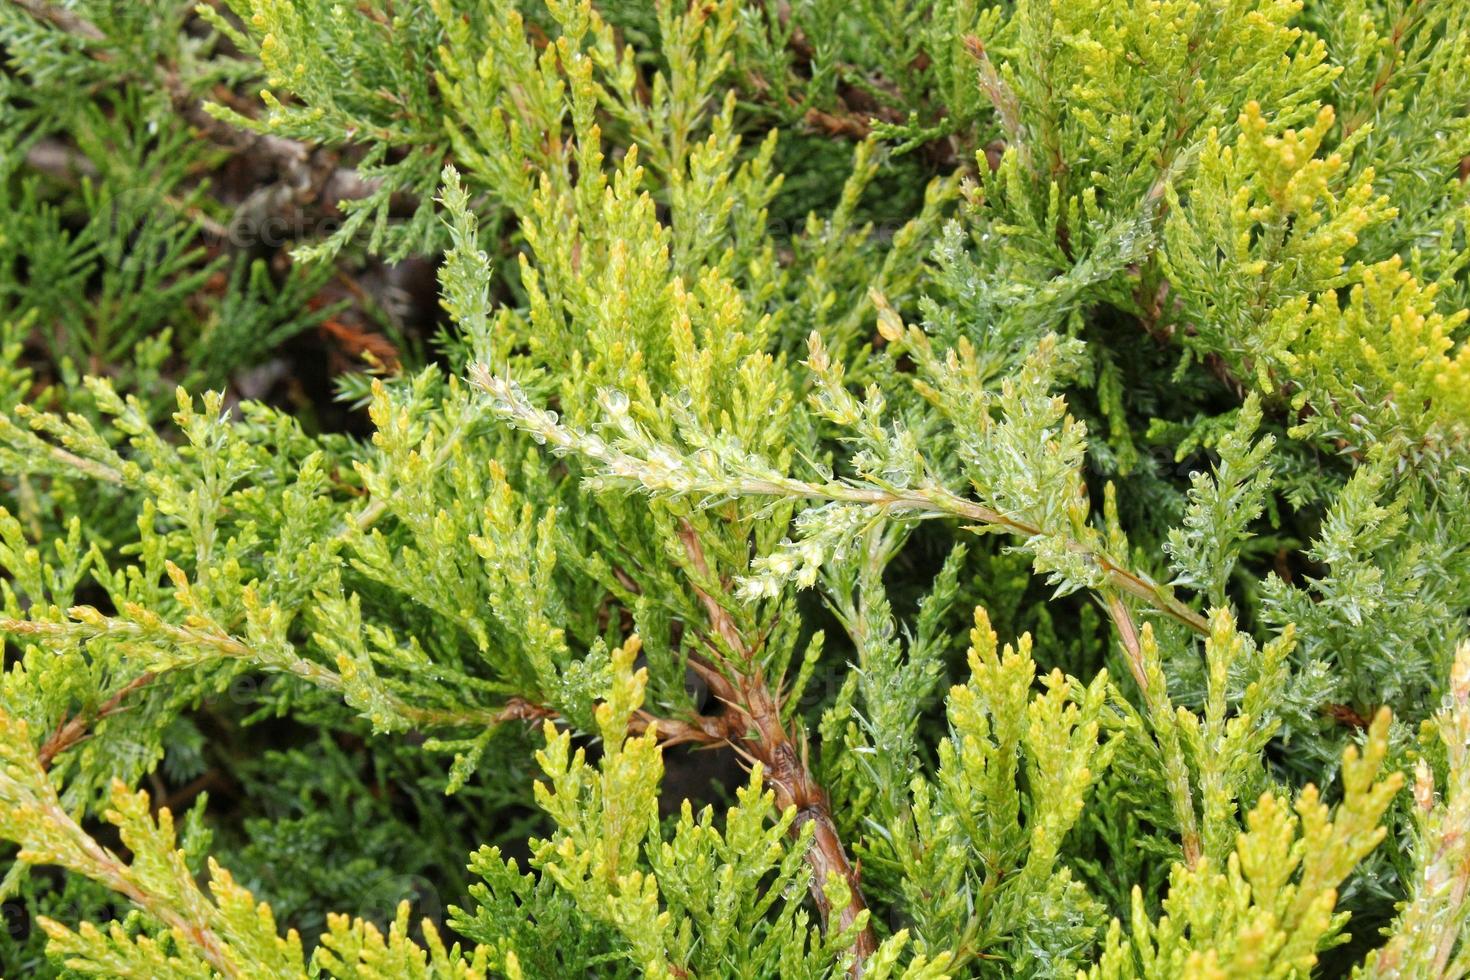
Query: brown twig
185, 795
1002, 98
850, 125
75, 728
1160, 709
754, 724
1347, 715
1128, 634
356, 341
519, 709
1400, 29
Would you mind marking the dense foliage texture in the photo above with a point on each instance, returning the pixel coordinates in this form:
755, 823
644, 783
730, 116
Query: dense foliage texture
872, 488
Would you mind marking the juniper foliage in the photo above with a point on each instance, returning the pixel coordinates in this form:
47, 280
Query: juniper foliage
637, 609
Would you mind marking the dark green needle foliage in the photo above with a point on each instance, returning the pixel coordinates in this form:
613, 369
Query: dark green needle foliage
555, 488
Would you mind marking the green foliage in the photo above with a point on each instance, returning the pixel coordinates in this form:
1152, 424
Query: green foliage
1430, 928
611, 620
1269, 909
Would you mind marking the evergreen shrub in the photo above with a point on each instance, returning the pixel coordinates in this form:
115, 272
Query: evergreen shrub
882, 488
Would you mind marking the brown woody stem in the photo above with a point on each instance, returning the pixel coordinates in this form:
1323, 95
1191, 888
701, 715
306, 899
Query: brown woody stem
754, 725
75, 728
1160, 712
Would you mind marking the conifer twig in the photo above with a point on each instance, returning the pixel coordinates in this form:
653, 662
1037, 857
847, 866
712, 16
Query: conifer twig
1386, 69
87, 622
187, 922
924, 501
1128, 634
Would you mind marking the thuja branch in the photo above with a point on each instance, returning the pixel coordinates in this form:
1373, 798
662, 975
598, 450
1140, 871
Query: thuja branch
752, 722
